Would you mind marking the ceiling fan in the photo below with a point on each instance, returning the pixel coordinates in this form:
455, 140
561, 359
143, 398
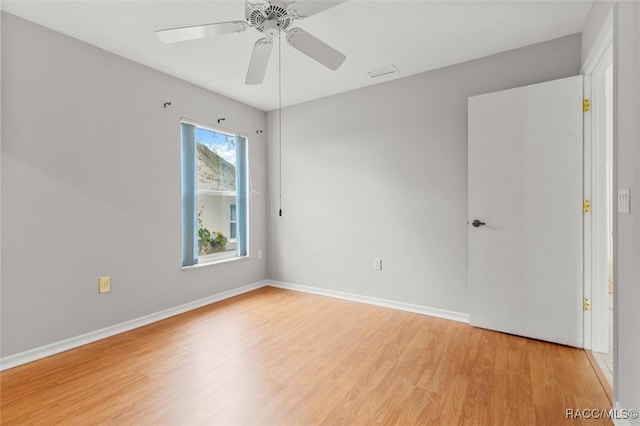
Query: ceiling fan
270, 18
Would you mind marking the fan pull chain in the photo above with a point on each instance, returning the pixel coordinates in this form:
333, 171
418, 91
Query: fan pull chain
280, 113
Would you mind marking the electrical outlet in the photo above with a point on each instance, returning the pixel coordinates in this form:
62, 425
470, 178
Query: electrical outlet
104, 284
377, 264
259, 254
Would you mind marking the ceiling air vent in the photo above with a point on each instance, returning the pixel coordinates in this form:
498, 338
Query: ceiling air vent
380, 71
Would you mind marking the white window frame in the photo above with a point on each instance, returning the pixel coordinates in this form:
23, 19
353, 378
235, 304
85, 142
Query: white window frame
222, 257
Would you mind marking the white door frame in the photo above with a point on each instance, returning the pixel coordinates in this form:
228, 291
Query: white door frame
595, 228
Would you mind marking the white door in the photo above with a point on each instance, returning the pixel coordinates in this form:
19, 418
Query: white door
525, 194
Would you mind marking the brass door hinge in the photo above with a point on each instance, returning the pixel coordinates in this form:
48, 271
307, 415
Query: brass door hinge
586, 206
586, 105
586, 304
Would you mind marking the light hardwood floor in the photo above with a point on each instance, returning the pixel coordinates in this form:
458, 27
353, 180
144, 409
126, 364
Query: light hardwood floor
280, 357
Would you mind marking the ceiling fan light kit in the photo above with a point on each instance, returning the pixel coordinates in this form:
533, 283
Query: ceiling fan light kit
270, 18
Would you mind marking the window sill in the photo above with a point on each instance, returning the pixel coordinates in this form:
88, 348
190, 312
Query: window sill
215, 261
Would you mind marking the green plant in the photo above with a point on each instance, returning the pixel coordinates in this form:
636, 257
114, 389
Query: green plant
209, 242
204, 238
219, 242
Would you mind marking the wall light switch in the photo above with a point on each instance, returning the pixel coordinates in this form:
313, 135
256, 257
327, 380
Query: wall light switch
624, 203
259, 254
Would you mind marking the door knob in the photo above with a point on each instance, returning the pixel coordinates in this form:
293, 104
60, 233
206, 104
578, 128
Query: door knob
476, 223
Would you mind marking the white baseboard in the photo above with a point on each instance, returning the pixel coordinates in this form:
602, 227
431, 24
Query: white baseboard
74, 342
424, 310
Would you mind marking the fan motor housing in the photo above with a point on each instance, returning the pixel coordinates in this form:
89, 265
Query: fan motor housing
271, 28
270, 19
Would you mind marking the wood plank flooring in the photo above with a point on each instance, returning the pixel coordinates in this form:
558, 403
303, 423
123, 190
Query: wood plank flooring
280, 357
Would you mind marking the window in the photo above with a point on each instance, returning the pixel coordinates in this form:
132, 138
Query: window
214, 195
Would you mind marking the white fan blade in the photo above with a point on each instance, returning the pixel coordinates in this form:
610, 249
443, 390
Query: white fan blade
174, 35
259, 61
306, 8
315, 48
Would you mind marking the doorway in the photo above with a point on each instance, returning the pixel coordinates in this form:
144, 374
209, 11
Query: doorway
604, 354
598, 188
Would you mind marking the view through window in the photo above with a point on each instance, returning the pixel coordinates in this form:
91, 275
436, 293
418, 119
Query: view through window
214, 195
216, 168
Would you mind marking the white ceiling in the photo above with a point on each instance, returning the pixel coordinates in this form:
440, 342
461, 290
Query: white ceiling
415, 36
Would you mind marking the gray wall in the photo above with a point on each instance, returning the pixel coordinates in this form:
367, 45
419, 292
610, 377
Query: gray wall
0, 175
626, 39
381, 172
626, 62
599, 11
91, 187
